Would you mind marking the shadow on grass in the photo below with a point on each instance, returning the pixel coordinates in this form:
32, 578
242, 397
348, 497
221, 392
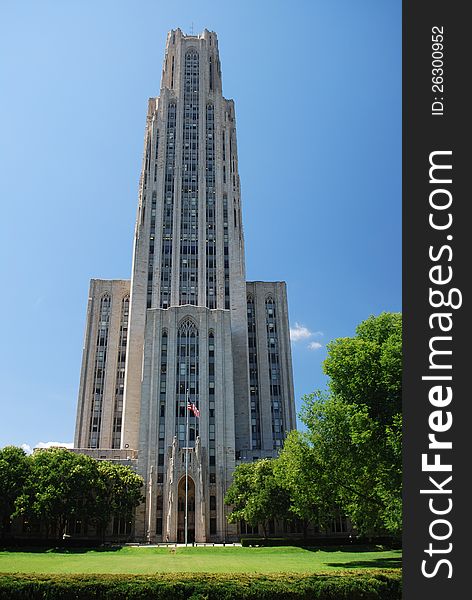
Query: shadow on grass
348, 548
59, 550
375, 563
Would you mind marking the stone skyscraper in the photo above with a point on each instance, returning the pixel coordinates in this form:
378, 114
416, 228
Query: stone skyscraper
188, 325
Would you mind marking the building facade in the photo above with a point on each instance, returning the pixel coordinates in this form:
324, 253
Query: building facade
187, 327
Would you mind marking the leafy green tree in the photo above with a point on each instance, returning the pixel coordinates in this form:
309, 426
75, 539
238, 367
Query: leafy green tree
61, 485
359, 469
14, 469
255, 495
348, 460
367, 369
299, 470
354, 432
390, 476
119, 492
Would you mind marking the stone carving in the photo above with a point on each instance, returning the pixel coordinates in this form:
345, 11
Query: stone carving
170, 480
199, 473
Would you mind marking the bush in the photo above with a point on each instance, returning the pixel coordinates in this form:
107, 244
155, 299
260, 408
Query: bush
368, 585
320, 542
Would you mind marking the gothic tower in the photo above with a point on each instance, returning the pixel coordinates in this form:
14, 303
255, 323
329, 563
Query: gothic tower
188, 328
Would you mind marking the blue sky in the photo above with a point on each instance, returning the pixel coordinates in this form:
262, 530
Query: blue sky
317, 87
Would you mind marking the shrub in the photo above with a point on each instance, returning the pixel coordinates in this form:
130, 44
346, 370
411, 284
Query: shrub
320, 542
368, 585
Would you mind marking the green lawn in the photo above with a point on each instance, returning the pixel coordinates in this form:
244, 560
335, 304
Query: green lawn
196, 560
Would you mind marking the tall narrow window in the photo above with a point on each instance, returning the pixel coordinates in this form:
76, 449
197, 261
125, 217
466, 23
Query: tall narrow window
275, 378
188, 279
211, 395
210, 209
210, 71
98, 386
226, 250
156, 154
253, 375
152, 241
147, 161
152, 229
168, 208
120, 374
162, 404
163, 376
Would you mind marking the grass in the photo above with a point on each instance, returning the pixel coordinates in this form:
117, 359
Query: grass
141, 560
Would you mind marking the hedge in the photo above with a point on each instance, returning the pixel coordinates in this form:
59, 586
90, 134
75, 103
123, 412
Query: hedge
368, 585
320, 542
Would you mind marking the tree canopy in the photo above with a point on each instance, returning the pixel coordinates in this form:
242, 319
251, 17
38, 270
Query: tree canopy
348, 460
118, 493
367, 369
54, 486
60, 486
14, 470
255, 494
357, 428
359, 460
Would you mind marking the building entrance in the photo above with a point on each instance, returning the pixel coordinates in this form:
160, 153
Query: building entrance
181, 512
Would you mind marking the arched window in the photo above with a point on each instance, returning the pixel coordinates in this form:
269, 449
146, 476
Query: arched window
187, 380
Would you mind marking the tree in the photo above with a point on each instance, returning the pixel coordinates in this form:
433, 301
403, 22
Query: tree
367, 369
256, 496
354, 431
61, 485
348, 461
358, 469
14, 469
299, 470
390, 476
118, 493
55, 485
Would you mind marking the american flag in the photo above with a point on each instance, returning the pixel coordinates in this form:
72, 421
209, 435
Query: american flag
191, 406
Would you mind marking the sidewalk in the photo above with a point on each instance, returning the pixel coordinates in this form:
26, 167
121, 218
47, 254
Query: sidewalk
189, 545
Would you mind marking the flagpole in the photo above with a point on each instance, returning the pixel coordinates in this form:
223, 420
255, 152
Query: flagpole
186, 469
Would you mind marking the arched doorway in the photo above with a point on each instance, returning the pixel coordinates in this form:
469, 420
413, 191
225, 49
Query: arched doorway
181, 511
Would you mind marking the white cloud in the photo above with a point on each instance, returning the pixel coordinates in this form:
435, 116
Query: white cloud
53, 444
299, 332
29, 449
